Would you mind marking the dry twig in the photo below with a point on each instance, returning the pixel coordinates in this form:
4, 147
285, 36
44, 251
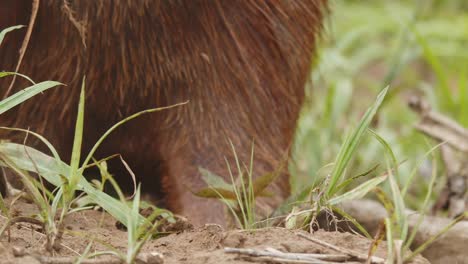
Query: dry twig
24, 45
353, 254
274, 255
444, 129
143, 258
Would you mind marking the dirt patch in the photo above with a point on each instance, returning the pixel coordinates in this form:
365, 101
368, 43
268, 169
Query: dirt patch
24, 241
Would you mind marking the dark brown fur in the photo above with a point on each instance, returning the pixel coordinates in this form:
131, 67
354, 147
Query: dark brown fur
242, 64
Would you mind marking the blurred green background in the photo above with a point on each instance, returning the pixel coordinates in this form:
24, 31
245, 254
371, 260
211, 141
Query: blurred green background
415, 47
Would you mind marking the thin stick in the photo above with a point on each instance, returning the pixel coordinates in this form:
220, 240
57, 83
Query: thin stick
291, 261
146, 258
24, 45
276, 255
349, 252
327, 257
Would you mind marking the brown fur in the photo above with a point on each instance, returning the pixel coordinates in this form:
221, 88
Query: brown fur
242, 64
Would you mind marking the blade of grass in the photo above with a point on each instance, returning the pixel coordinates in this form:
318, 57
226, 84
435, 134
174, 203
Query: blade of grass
238, 194
415, 169
8, 30
463, 96
123, 121
25, 94
32, 190
243, 203
352, 220
51, 170
213, 180
358, 192
351, 143
424, 206
5, 74
347, 182
38, 136
387, 148
400, 215
435, 237
443, 91
398, 201
390, 241
77, 141
132, 220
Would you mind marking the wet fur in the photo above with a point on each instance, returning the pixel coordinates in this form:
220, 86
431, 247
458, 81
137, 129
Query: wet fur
241, 64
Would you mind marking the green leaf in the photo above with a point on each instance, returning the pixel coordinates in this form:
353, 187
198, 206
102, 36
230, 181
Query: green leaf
441, 232
260, 183
3, 207
352, 179
349, 146
77, 141
443, 90
5, 74
424, 206
463, 97
398, 201
214, 181
214, 192
121, 122
25, 94
359, 191
7, 30
352, 220
415, 169
400, 215
38, 136
29, 159
390, 240
39, 200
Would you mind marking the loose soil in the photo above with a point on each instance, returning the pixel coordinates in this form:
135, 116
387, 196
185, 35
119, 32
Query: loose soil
24, 243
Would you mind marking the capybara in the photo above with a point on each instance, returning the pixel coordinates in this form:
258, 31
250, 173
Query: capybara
241, 64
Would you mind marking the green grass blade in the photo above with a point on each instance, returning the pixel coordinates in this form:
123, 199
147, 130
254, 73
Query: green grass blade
214, 192
214, 180
38, 136
125, 120
436, 236
7, 30
348, 181
348, 217
39, 200
424, 206
358, 192
77, 141
415, 169
25, 94
51, 169
230, 207
351, 143
30, 159
241, 187
398, 201
388, 149
5, 74
56, 200
390, 241
3, 207
463, 97
132, 228
443, 91
399, 204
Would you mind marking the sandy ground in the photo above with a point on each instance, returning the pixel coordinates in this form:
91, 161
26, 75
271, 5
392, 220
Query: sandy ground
24, 243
